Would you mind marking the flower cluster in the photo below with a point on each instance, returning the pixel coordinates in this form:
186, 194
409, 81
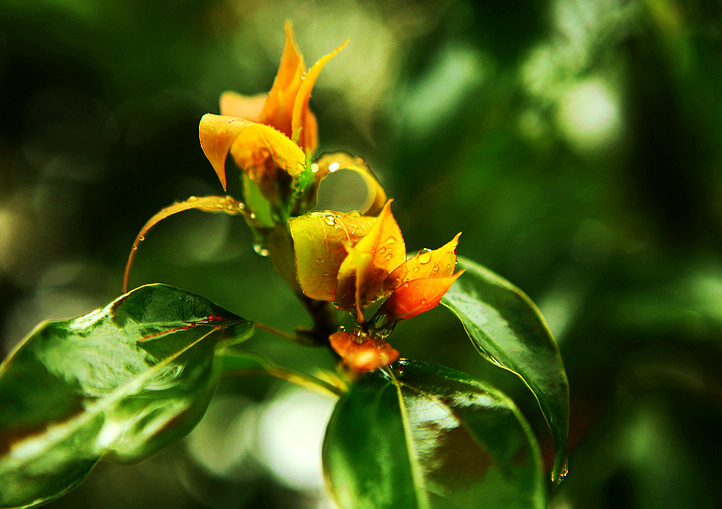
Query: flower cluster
352, 259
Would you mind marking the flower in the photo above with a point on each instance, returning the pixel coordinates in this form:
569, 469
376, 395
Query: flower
357, 260
271, 131
362, 353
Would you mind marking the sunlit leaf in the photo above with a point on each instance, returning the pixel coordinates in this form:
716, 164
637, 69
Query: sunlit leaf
425, 436
507, 329
118, 383
223, 204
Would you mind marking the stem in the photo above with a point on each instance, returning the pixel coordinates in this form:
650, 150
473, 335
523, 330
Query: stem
324, 319
277, 332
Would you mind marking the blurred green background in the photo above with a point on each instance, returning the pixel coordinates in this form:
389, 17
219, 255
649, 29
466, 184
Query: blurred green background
576, 143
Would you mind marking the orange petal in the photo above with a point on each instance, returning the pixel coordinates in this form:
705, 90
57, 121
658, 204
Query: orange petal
257, 149
426, 264
363, 357
418, 296
363, 272
260, 149
217, 134
320, 243
278, 108
247, 107
303, 122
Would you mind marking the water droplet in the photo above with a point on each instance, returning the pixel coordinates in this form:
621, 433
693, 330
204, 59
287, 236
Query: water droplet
424, 256
436, 268
260, 249
448, 266
253, 215
423, 302
391, 240
416, 269
382, 250
135, 248
319, 260
192, 198
326, 274
330, 219
141, 238
389, 257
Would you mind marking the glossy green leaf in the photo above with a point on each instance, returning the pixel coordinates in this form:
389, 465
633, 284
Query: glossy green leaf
118, 383
508, 330
425, 436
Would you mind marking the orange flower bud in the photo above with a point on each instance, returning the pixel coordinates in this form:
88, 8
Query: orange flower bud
366, 262
362, 353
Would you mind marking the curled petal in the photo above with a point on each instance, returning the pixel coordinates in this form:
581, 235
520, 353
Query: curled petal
426, 264
362, 354
217, 134
362, 274
303, 124
418, 296
321, 240
278, 108
247, 107
257, 149
333, 164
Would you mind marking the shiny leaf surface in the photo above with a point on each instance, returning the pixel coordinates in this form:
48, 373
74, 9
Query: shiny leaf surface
118, 383
425, 436
508, 330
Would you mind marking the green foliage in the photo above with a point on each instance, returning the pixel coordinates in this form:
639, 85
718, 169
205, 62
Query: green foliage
507, 329
425, 436
118, 383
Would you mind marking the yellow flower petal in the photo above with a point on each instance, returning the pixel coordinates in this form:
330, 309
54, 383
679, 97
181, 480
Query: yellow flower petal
362, 274
278, 108
426, 264
256, 148
247, 107
303, 121
321, 241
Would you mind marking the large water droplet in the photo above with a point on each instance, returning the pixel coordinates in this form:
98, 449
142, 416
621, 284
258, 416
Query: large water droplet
330, 219
424, 256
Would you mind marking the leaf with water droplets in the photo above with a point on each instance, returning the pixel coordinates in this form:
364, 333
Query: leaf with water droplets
216, 204
507, 329
320, 243
118, 383
426, 436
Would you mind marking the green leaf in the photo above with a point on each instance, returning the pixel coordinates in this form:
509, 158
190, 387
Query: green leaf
426, 436
508, 330
118, 383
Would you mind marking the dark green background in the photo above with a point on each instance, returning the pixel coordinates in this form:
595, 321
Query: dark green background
576, 143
